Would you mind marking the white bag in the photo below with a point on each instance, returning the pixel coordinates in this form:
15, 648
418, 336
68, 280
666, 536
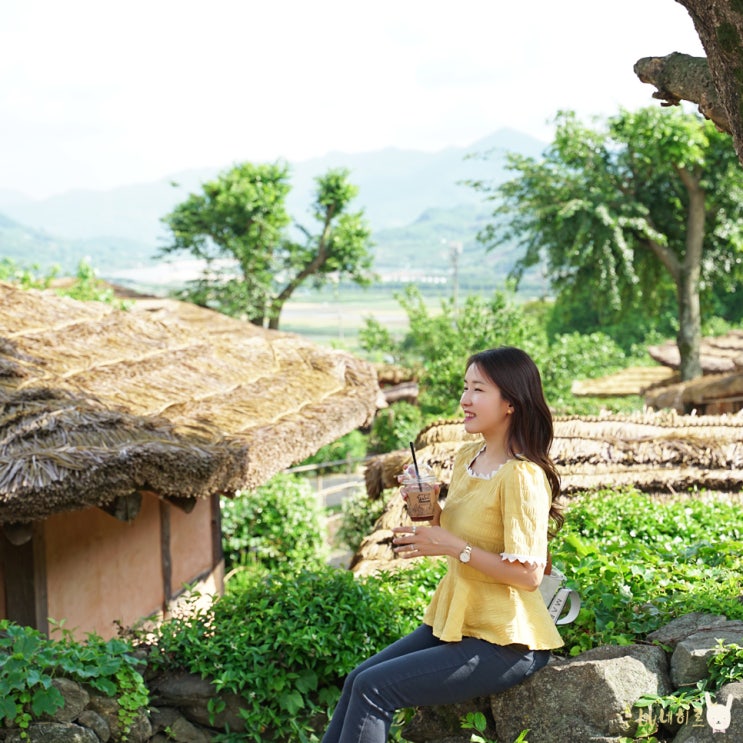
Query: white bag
557, 595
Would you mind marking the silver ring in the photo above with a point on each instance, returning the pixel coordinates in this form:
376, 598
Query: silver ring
414, 528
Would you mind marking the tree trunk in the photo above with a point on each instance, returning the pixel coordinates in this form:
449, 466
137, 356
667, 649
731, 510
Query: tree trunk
690, 321
719, 25
690, 327
273, 320
277, 304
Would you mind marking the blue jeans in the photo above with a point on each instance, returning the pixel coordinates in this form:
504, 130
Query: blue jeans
421, 670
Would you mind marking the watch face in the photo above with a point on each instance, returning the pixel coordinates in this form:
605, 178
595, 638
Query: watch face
465, 556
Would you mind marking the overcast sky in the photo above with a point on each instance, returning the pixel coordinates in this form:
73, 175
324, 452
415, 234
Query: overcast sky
96, 94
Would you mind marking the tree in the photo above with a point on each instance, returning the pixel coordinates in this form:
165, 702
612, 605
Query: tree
713, 83
239, 226
655, 196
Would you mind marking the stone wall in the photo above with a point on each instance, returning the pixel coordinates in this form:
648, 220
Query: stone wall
585, 699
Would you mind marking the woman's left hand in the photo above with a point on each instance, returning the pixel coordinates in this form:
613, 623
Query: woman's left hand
417, 541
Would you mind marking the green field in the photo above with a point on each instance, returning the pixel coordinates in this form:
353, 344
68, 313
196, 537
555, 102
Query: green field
335, 318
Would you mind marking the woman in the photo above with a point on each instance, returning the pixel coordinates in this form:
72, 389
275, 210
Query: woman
487, 627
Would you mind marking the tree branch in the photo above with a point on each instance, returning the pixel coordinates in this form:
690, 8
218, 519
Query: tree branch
680, 77
313, 266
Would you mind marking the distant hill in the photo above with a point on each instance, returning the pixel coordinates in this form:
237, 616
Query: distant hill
414, 201
441, 240
29, 247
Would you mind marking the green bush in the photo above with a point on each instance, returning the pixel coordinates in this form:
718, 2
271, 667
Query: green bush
574, 356
349, 448
358, 515
86, 287
29, 661
281, 523
285, 641
639, 562
25, 277
636, 323
437, 345
726, 664
395, 427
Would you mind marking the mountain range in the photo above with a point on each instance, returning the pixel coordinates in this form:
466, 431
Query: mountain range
415, 201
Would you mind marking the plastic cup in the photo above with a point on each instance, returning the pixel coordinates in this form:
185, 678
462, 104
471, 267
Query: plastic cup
421, 495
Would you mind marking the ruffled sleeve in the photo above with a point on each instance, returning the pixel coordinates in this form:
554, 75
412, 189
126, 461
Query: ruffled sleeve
526, 505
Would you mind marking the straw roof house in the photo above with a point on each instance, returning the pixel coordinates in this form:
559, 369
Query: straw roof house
398, 384
146, 415
634, 380
712, 394
718, 391
661, 453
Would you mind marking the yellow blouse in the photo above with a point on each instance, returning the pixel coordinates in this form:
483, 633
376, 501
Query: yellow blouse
508, 515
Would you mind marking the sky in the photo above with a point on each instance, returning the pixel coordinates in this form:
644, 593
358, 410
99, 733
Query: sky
97, 94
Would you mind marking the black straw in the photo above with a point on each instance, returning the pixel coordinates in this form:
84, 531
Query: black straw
415, 464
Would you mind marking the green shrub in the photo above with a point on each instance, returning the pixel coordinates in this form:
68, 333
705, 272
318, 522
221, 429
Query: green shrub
636, 323
725, 664
358, 515
394, 427
281, 523
348, 448
639, 562
437, 345
376, 339
25, 277
29, 661
574, 356
285, 641
87, 287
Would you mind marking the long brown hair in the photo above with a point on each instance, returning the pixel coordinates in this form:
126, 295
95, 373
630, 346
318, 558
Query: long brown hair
530, 433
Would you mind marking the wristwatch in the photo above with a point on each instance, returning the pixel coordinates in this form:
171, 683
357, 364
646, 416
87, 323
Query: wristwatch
464, 555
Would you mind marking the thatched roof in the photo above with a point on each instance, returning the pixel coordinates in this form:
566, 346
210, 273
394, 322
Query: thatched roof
98, 403
635, 380
392, 374
724, 391
719, 390
655, 452
723, 353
